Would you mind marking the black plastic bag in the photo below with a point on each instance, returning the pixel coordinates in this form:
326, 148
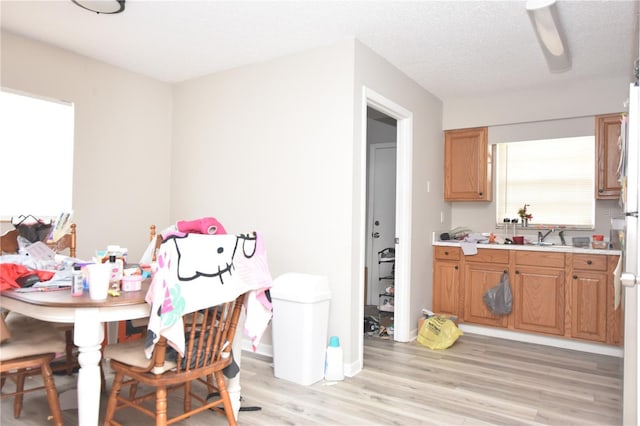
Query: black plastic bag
499, 299
34, 231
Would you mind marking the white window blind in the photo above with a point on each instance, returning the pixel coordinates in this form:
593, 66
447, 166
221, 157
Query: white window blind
554, 176
36, 137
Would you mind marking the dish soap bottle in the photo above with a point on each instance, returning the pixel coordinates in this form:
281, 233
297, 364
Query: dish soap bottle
334, 369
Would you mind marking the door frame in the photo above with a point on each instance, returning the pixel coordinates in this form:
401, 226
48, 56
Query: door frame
404, 172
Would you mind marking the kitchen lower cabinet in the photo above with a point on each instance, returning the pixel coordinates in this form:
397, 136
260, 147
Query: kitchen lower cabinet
589, 297
482, 272
447, 296
555, 293
539, 292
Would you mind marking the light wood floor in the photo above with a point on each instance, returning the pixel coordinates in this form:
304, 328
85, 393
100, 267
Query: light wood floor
478, 381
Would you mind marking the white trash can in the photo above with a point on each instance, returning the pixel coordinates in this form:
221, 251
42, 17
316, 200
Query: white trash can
299, 326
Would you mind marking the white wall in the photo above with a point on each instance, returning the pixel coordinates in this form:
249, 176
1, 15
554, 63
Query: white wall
122, 156
269, 147
577, 99
273, 147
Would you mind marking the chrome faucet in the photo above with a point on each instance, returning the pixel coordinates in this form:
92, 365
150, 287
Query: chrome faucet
561, 235
542, 236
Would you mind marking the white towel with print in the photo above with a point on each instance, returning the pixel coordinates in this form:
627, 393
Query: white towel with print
196, 271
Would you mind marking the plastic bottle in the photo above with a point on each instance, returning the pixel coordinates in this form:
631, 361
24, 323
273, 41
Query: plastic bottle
333, 369
116, 272
77, 284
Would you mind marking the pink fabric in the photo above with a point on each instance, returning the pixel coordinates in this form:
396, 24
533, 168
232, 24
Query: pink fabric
206, 225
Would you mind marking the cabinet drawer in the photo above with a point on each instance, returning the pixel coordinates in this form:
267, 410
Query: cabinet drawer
590, 262
540, 258
446, 253
489, 256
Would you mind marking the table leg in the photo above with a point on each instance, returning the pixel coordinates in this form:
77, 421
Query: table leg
88, 336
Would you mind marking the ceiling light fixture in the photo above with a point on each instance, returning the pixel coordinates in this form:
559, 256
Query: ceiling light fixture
107, 7
545, 21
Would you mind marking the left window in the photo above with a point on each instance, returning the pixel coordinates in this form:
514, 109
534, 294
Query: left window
36, 145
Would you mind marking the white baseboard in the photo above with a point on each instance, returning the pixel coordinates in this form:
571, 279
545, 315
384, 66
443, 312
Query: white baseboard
262, 349
596, 348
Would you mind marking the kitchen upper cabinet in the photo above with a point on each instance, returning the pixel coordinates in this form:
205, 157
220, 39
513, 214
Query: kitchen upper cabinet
607, 156
447, 296
539, 292
482, 272
467, 165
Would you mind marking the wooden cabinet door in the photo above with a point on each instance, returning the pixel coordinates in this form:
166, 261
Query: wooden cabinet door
478, 278
588, 305
607, 156
446, 288
467, 165
538, 300
615, 315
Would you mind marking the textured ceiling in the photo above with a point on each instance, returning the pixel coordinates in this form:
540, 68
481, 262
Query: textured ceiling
451, 48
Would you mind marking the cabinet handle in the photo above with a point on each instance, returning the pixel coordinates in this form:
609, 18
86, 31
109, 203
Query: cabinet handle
446, 253
505, 271
575, 277
600, 190
480, 193
589, 262
455, 267
517, 272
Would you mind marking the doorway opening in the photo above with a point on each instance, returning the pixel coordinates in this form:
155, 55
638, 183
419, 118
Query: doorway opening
403, 218
379, 289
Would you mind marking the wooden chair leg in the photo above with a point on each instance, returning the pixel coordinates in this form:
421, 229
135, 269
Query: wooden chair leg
70, 360
187, 397
52, 394
226, 400
17, 401
133, 389
103, 381
113, 398
161, 406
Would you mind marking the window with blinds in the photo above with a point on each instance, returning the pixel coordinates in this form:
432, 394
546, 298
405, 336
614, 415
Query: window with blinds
554, 176
36, 141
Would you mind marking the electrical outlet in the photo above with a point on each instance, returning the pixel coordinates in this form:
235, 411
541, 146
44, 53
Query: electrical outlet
441, 217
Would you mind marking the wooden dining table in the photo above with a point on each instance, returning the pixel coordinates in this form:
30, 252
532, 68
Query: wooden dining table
88, 317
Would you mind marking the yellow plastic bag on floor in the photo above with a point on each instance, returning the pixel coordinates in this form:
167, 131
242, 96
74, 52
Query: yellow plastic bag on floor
438, 333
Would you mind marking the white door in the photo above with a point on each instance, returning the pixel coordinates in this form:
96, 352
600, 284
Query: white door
382, 212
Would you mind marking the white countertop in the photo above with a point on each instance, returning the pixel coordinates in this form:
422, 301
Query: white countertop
534, 247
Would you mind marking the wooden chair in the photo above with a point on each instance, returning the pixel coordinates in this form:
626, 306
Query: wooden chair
209, 335
158, 238
29, 349
68, 241
9, 241
9, 244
